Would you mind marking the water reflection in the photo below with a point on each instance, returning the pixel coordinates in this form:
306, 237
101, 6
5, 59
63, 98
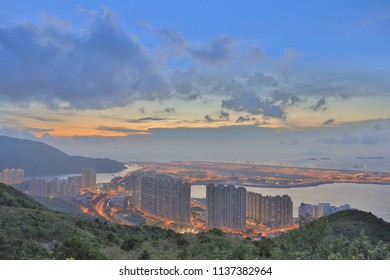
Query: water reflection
367, 197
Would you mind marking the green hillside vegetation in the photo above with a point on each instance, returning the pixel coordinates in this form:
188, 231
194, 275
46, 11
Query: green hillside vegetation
349, 234
29, 230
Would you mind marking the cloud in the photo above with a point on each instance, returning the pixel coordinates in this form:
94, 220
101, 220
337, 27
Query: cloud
44, 119
209, 119
328, 122
256, 93
289, 56
170, 110
222, 116
8, 122
55, 21
285, 99
320, 105
186, 84
22, 132
220, 50
256, 82
147, 119
141, 110
174, 41
242, 119
374, 157
102, 67
347, 139
259, 79
39, 130
105, 67
251, 103
309, 159
119, 129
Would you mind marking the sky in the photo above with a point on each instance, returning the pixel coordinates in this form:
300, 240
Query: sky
282, 82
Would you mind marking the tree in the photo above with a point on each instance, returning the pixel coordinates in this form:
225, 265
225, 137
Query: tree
145, 255
77, 248
132, 241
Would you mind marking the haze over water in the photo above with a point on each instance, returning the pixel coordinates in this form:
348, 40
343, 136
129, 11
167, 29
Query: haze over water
366, 197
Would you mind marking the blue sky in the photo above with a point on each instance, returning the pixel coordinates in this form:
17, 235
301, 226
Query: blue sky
300, 77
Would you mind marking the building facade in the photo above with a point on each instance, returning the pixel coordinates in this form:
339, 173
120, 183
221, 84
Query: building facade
55, 187
133, 185
310, 212
13, 176
225, 206
275, 212
166, 198
38, 187
88, 178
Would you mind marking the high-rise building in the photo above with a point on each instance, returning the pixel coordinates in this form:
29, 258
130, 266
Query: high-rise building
38, 187
74, 183
136, 195
166, 198
56, 187
185, 201
88, 178
225, 206
53, 188
309, 212
305, 212
13, 176
240, 208
274, 212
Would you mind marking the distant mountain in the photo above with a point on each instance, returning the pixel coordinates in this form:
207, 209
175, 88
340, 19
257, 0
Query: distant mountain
40, 159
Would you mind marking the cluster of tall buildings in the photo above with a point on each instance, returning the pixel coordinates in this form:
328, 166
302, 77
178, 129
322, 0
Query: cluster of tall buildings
228, 206
88, 178
136, 194
164, 197
275, 212
62, 188
309, 212
55, 188
12, 176
225, 206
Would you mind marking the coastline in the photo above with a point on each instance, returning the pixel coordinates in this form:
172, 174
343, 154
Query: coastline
291, 186
314, 184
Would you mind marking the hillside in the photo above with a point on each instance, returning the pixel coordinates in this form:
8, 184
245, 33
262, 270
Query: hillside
351, 234
40, 159
29, 230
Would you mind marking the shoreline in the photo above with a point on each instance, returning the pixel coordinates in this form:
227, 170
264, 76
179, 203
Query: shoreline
295, 186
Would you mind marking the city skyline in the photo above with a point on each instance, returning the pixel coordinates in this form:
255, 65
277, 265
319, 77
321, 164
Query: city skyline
249, 81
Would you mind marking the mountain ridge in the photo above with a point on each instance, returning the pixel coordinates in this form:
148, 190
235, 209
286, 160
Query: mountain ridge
40, 159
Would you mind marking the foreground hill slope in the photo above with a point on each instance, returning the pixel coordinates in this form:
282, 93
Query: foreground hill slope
351, 234
38, 159
29, 230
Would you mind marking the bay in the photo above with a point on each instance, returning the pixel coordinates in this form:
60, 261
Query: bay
107, 177
100, 177
367, 197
